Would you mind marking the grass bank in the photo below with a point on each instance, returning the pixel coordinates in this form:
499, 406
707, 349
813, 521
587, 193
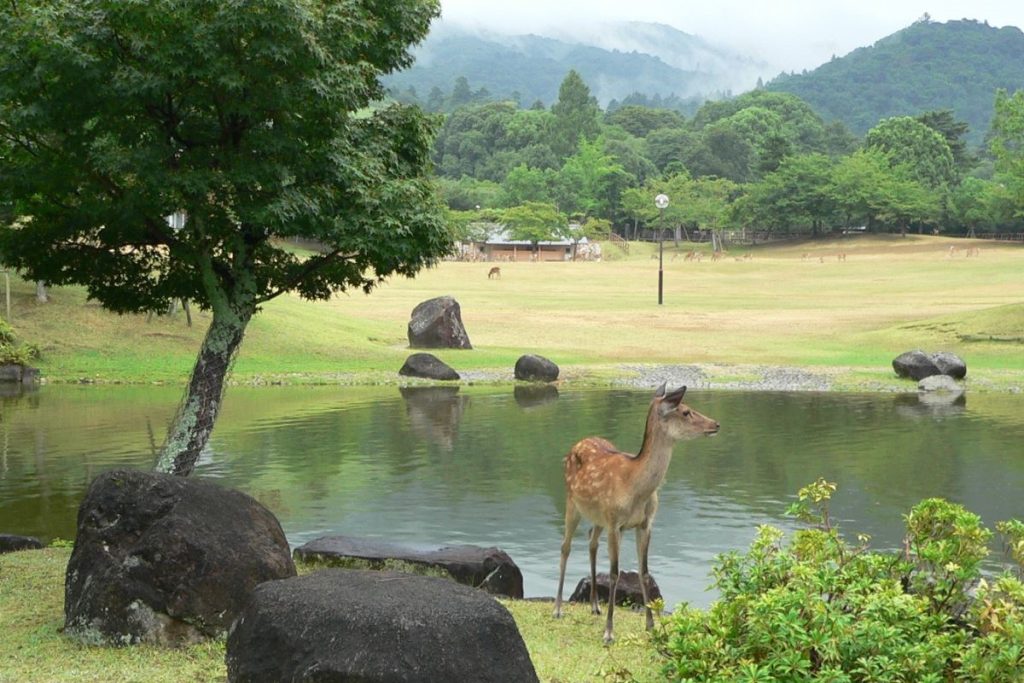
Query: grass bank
795, 305
32, 649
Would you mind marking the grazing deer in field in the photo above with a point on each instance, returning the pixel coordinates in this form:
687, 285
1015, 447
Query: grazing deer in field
841, 256
716, 255
494, 272
616, 491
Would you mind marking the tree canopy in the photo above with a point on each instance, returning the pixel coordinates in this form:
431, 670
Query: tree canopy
256, 121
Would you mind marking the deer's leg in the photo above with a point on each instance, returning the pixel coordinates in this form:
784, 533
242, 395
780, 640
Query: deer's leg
614, 534
595, 538
643, 545
643, 542
572, 520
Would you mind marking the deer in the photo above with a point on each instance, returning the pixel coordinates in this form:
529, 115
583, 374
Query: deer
616, 491
494, 272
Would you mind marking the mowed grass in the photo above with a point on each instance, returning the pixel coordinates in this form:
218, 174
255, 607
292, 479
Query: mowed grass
32, 649
791, 305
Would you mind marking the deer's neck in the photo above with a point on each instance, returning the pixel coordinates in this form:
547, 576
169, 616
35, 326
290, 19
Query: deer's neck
652, 461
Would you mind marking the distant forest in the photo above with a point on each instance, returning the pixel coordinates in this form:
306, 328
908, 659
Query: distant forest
765, 160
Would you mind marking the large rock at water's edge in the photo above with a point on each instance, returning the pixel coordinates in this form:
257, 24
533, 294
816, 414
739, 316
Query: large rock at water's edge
167, 560
950, 364
489, 569
626, 593
10, 543
427, 366
940, 384
437, 324
344, 625
917, 365
532, 368
14, 373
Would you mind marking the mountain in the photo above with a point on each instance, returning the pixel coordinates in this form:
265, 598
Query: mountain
615, 60
956, 65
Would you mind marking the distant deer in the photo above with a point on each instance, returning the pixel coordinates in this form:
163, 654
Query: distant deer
616, 491
841, 256
494, 272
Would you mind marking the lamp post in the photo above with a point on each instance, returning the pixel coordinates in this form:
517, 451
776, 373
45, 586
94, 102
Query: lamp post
661, 201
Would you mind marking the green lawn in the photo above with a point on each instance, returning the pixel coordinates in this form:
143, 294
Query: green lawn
794, 305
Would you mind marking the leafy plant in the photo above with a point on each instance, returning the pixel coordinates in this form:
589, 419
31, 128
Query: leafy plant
12, 353
821, 609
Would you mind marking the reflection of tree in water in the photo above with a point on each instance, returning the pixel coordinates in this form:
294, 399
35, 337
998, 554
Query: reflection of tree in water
434, 413
531, 396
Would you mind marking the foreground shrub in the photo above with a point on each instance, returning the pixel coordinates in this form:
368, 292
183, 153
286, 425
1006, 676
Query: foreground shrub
12, 352
821, 609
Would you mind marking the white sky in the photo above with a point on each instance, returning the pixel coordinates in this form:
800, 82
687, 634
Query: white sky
791, 34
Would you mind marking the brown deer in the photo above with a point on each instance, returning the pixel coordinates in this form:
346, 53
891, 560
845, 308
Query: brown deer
616, 491
494, 272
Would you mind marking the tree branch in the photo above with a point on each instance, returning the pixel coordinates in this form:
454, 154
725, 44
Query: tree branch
308, 268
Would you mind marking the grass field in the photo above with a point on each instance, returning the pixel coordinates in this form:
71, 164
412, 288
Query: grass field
32, 649
790, 305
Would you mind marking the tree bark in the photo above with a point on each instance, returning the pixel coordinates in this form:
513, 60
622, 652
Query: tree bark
41, 296
194, 422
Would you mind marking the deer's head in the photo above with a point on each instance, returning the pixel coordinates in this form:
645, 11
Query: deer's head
676, 419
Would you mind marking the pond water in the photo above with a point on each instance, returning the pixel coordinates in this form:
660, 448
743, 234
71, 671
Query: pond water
482, 465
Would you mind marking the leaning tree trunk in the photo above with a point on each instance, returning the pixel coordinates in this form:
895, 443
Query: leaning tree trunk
198, 411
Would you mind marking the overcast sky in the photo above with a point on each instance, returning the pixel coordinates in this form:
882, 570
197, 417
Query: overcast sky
791, 34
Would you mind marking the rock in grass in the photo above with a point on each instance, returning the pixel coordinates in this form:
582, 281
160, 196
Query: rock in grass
437, 324
489, 569
627, 593
531, 368
10, 543
917, 365
167, 560
427, 366
347, 625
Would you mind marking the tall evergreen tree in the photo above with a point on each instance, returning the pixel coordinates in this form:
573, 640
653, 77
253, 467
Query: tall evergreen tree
576, 115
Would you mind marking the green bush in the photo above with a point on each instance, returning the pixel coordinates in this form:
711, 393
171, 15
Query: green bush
824, 610
11, 351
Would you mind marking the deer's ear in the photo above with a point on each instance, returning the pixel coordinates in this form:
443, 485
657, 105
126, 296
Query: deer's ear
671, 401
661, 390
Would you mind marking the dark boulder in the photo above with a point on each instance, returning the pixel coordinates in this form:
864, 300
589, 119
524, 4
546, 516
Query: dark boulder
915, 365
437, 324
532, 368
342, 625
167, 560
950, 364
918, 365
10, 543
15, 373
427, 366
489, 569
627, 593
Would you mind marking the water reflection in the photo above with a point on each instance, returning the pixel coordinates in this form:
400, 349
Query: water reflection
483, 465
931, 405
434, 413
533, 395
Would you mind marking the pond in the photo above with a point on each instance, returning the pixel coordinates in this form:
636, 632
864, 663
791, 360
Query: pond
483, 465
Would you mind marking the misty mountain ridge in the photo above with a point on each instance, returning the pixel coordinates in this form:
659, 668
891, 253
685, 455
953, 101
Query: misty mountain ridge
615, 59
927, 66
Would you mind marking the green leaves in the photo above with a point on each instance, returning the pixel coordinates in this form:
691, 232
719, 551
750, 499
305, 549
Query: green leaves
819, 609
